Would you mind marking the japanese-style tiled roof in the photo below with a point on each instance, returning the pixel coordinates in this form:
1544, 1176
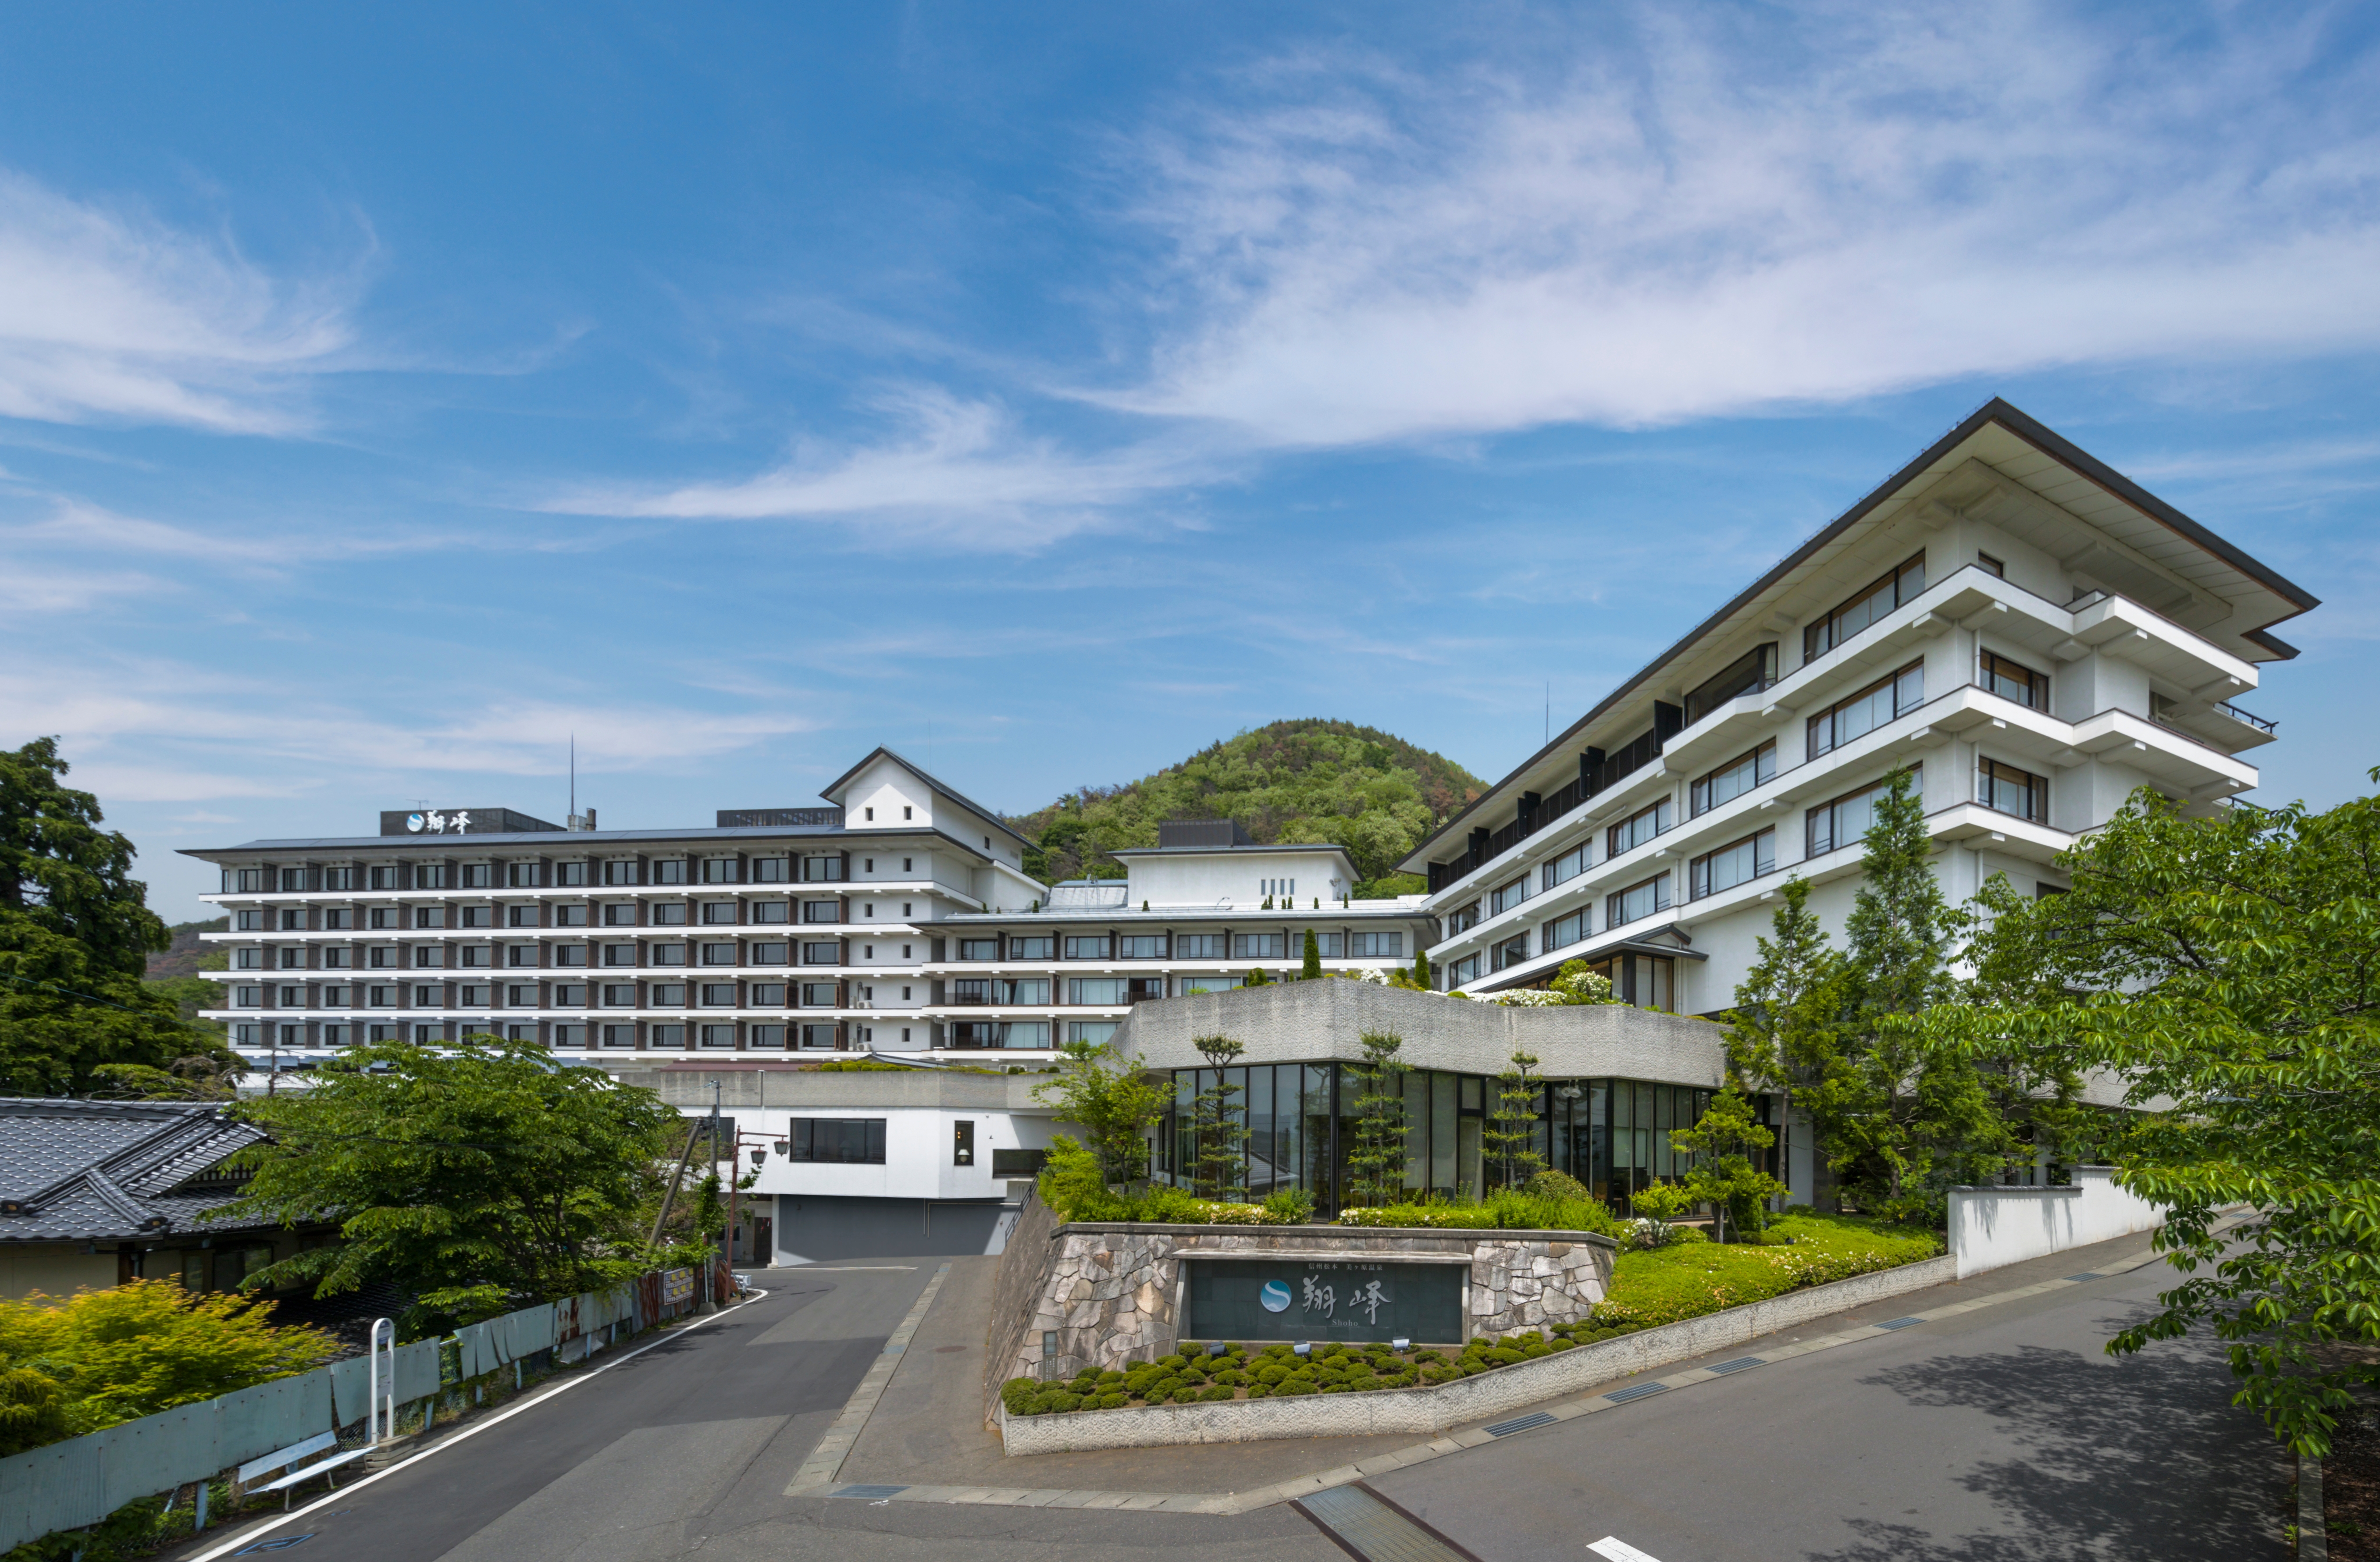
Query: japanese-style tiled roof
112, 1170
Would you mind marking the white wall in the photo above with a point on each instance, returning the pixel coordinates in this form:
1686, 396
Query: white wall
1203, 879
1994, 1227
918, 1152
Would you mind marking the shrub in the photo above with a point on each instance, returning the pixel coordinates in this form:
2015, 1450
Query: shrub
1220, 1391
1259, 1391
1294, 1385
1289, 1206
1017, 1393
1114, 1402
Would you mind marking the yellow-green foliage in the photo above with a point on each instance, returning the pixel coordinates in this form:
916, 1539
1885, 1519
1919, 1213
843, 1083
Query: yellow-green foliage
1663, 1285
135, 1350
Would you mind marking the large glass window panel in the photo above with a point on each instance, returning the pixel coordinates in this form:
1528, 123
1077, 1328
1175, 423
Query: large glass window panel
1316, 1115
1869, 604
1442, 1133
1734, 779
1416, 1094
1873, 707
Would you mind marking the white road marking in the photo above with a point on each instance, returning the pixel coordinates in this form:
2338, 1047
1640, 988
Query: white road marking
1619, 1550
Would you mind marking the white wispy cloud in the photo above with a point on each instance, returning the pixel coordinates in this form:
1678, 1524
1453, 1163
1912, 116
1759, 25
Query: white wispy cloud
109, 314
960, 470
1660, 216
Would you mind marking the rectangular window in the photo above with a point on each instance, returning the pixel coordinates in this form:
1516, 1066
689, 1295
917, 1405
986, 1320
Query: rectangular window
1844, 821
385, 877
248, 998
1880, 702
771, 870
719, 914
1873, 603
1637, 829
526, 876
1208, 984
479, 876
620, 916
669, 914
1141, 946
427, 956
522, 995
768, 954
570, 876
1327, 946
1200, 946
1505, 897
1638, 901
962, 1142
478, 916
248, 960
822, 870
665, 1036
619, 995
979, 949
1096, 992
665, 954
520, 917
1729, 865
822, 954
1749, 674
772, 912
2010, 791
1031, 947
293, 881
818, 995
1566, 931
1569, 866
719, 870
245, 881
430, 876
341, 879
838, 1141
1257, 946
620, 872
768, 995
667, 995
719, 995
821, 910
1089, 946
719, 954
772, 1037
1733, 779
1462, 971
668, 870
618, 1036
429, 997
1509, 951
570, 995
619, 954
1991, 565
2014, 681
570, 916
1375, 946
1095, 1032
385, 958
570, 954
817, 1039
254, 921
520, 954
1021, 989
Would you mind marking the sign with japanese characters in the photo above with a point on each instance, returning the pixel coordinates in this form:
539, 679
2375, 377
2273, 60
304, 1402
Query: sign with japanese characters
1357, 1299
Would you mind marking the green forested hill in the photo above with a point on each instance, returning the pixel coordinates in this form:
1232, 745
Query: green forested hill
1292, 782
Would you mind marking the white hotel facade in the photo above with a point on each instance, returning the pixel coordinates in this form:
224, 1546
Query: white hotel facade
2031, 632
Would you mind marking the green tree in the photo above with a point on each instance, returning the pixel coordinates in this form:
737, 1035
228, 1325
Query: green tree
1256, 977
1908, 1119
1723, 1174
1509, 1136
1375, 1157
2224, 969
1114, 1104
1312, 970
76, 933
483, 1165
1218, 1129
134, 1349
1788, 1031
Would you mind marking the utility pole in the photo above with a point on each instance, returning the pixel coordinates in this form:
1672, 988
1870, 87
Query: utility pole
710, 1269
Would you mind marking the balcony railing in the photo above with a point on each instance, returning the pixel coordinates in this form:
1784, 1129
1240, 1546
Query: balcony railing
2224, 707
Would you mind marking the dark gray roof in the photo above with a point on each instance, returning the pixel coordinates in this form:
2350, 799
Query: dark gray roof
111, 1170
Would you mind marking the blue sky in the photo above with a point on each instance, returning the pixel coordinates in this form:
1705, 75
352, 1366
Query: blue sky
386, 396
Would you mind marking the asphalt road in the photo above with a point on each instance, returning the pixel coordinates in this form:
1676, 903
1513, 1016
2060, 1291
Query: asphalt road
690, 1446
2002, 1435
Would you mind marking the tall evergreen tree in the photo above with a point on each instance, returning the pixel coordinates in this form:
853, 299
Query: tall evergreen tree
1376, 1159
1787, 1030
1218, 1129
1312, 970
76, 933
1509, 1136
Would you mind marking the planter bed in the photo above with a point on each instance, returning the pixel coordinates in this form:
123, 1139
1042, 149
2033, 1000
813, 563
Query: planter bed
1519, 1370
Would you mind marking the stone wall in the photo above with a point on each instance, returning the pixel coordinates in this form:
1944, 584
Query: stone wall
1112, 1293
1017, 1285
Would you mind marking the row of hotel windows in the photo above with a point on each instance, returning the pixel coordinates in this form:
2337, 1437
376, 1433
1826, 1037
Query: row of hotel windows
971, 1034
629, 914
1829, 826
542, 874
1190, 945
1081, 992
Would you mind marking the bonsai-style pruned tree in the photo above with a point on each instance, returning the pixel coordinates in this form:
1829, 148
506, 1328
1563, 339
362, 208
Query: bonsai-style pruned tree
1219, 1132
1511, 1133
1723, 1174
1376, 1162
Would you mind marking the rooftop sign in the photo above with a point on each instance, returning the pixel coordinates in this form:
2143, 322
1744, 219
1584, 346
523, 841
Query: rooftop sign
459, 821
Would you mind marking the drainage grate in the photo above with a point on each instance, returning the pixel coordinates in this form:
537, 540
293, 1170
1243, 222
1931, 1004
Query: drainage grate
2087, 1275
869, 1492
1899, 1322
1741, 1364
1622, 1396
1366, 1525
1520, 1424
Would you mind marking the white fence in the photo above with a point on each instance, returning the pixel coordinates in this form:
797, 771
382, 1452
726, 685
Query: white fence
1992, 1227
82, 1481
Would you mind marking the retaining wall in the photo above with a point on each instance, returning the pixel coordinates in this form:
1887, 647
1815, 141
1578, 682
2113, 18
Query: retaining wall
1426, 1411
1993, 1227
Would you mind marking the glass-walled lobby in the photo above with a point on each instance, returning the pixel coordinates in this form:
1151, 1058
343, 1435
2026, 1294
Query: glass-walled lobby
1612, 1134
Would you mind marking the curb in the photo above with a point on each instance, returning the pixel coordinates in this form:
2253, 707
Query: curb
2313, 1536
1439, 1406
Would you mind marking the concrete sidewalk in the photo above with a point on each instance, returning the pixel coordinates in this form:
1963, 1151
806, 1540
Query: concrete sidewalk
927, 1430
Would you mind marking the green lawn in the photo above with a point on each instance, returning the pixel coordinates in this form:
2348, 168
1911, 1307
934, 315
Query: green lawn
1689, 1279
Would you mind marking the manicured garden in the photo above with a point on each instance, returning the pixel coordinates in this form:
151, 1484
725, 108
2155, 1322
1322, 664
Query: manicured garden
1683, 1279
